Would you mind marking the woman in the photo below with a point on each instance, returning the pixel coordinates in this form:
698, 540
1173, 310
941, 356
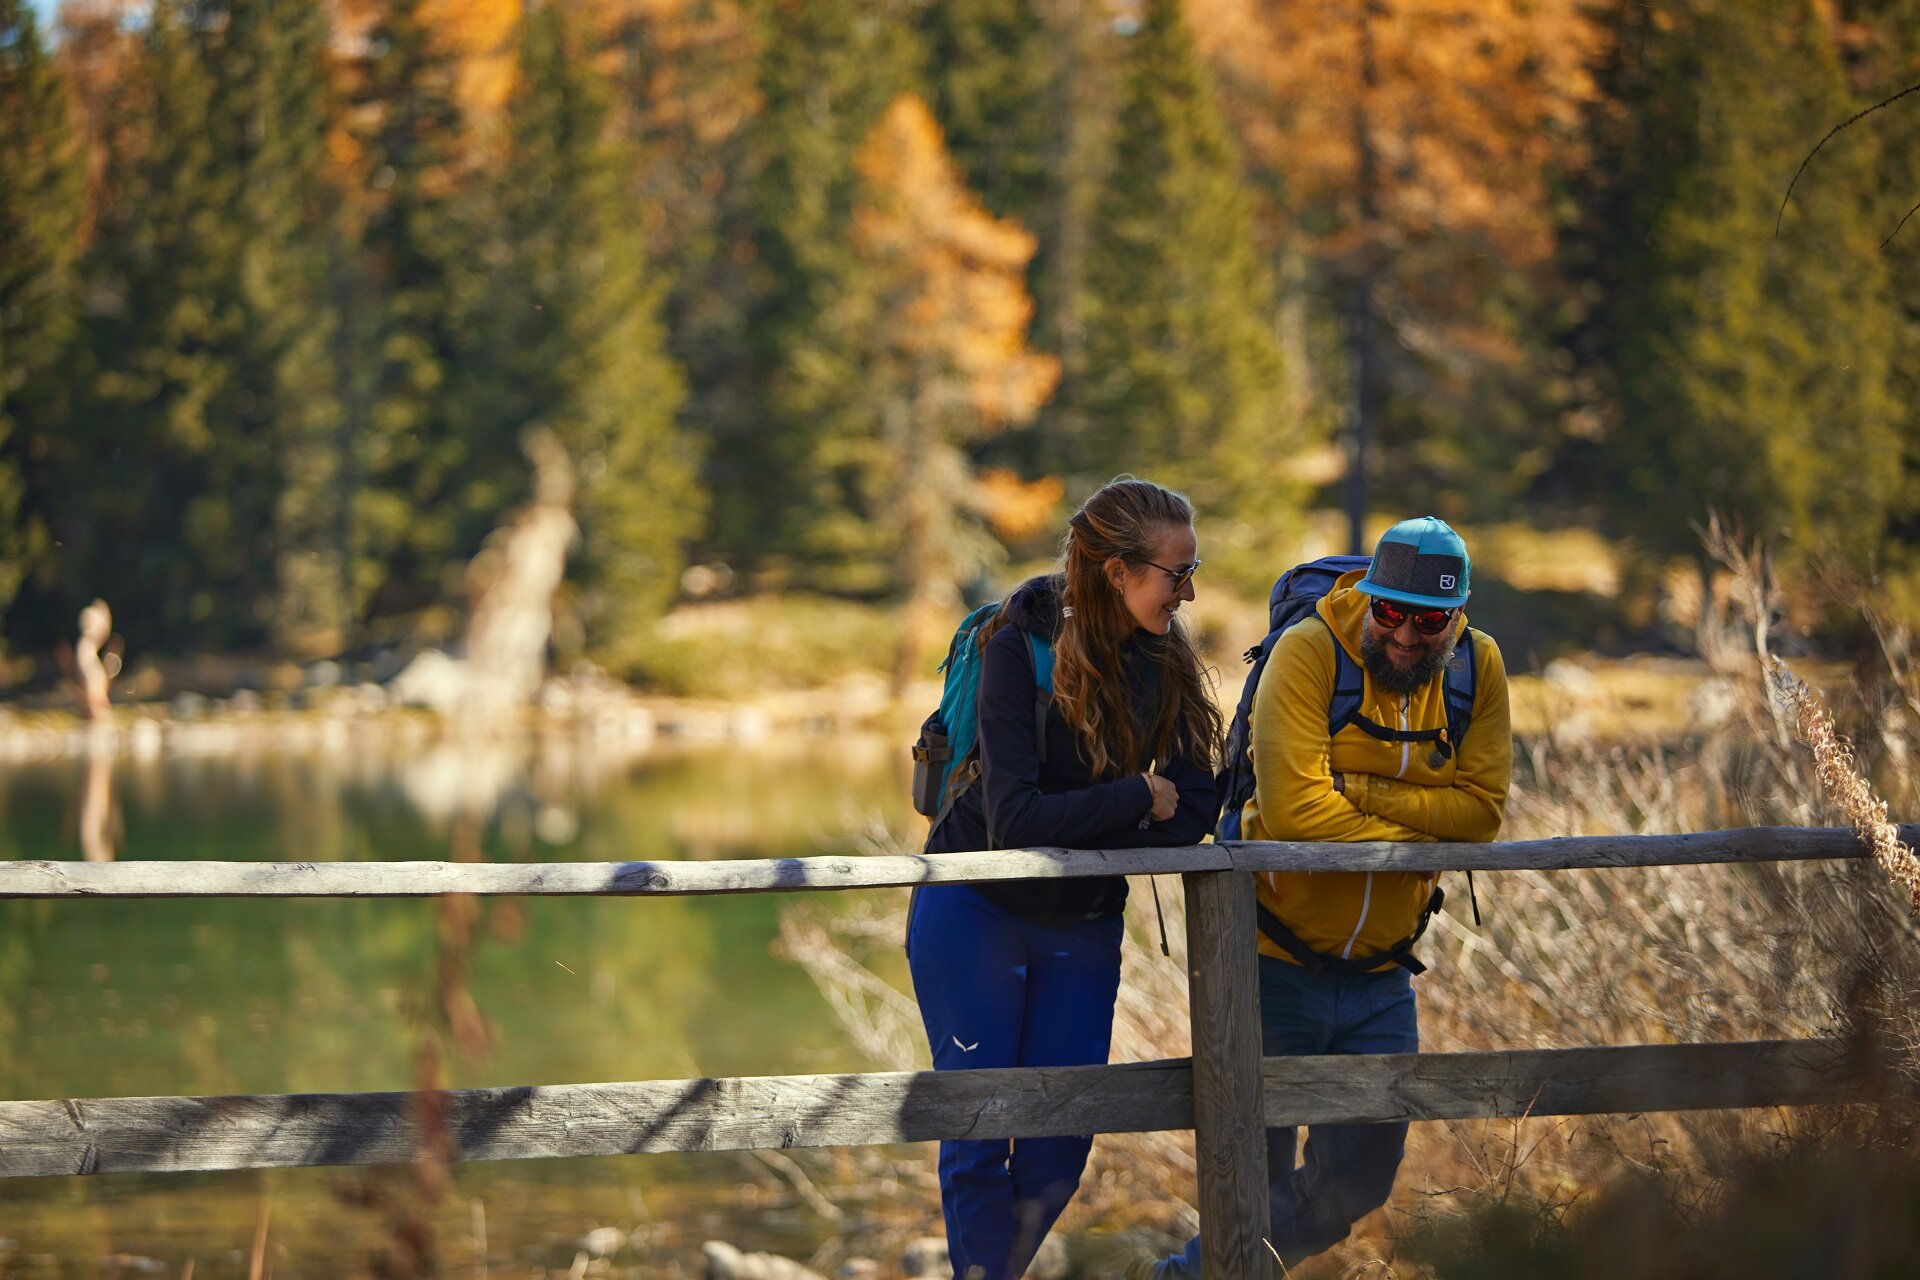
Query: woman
1024, 973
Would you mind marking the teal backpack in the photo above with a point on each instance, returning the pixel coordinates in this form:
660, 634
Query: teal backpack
946, 758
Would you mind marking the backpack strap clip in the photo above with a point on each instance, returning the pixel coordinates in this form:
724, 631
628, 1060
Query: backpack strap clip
1320, 963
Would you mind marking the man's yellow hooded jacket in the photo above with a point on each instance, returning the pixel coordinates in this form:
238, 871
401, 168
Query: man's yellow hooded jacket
1393, 791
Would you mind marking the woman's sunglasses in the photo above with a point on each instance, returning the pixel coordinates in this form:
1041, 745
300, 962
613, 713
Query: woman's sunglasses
1181, 577
1428, 622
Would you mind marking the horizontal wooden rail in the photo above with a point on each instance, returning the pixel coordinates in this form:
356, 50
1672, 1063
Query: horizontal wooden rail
171, 1135
141, 879
575, 879
1566, 853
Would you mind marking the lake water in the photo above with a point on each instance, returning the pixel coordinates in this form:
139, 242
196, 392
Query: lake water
130, 998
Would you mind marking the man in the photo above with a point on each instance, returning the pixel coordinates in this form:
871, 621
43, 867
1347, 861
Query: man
1336, 953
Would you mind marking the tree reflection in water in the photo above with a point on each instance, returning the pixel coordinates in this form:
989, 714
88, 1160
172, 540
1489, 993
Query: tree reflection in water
131, 998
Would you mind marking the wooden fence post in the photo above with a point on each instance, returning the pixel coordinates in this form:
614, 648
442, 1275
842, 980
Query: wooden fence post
1223, 979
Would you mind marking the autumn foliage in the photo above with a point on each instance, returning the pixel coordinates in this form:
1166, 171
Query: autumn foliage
948, 355
1393, 121
954, 308
852, 296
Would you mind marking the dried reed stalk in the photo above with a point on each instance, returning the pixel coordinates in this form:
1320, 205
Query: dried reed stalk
1841, 781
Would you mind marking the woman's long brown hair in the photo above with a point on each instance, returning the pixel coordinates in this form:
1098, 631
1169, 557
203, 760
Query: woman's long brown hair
1125, 519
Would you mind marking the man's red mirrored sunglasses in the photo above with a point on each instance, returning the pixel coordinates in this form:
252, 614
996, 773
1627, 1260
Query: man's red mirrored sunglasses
1428, 622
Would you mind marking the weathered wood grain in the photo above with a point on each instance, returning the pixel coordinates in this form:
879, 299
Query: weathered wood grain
1746, 844
163, 1135
60, 879
1560, 1082
110, 1135
39, 878
1230, 1137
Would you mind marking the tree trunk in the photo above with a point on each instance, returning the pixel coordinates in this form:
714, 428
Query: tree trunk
1361, 337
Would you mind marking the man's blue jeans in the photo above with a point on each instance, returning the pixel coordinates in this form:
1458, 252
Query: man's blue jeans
1348, 1169
999, 991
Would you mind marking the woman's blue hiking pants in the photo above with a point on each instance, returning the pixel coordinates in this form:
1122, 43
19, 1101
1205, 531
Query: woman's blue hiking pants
999, 991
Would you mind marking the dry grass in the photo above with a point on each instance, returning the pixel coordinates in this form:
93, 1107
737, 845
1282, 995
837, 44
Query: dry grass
1841, 782
1655, 955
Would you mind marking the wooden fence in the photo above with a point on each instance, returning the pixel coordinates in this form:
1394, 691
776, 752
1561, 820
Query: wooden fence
1226, 1093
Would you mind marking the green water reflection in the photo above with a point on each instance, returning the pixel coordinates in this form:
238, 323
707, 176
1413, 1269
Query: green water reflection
111, 998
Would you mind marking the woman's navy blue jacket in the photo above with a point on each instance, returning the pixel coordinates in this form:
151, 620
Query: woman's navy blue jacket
1027, 803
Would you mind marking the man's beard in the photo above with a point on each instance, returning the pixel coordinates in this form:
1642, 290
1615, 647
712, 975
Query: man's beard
1402, 680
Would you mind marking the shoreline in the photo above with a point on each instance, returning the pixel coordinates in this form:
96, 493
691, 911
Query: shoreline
1610, 700
591, 711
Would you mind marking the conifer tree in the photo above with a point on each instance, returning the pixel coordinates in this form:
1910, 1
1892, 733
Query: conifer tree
40, 206
203, 378
579, 347
787, 466
1020, 91
406, 454
989, 79
272, 112
154, 467
1748, 373
685, 102
946, 362
1183, 380
1886, 64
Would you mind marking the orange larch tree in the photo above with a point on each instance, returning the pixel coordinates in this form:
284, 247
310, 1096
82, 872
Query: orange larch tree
476, 35
947, 314
1409, 150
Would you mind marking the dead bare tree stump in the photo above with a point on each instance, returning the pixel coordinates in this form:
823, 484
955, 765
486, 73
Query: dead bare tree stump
96, 624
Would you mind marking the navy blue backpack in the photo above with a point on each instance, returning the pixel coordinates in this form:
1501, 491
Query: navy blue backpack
1293, 599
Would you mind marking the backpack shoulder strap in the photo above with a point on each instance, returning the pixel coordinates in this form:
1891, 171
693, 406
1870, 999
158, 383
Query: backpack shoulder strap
1349, 685
1460, 688
1462, 678
1042, 651
958, 760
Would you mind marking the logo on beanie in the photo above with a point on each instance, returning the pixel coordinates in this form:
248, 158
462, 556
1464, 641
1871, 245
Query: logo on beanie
1446, 582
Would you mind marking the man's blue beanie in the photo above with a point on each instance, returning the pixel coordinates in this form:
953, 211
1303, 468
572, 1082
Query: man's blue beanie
1421, 562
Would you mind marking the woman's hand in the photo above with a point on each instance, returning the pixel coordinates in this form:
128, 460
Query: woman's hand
1166, 797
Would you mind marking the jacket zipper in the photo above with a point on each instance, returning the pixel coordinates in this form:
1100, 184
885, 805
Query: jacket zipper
1366, 896
1406, 747
1366, 899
